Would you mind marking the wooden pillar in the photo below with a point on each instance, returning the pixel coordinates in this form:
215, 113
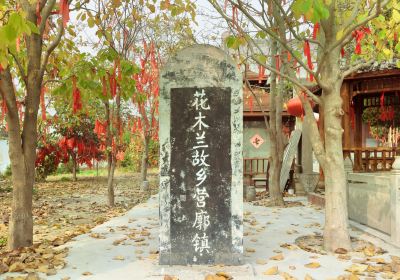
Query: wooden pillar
346, 119
358, 136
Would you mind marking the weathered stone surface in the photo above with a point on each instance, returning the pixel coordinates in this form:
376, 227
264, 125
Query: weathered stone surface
201, 207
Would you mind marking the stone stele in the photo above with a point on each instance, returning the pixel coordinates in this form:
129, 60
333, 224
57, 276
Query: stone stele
201, 128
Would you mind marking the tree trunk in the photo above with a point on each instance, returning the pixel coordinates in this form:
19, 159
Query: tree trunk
74, 167
110, 183
274, 134
336, 233
110, 159
145, 159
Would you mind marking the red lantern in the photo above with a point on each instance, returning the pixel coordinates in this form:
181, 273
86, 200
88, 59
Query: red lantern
295, 108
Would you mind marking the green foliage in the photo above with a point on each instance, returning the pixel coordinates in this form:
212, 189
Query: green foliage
7, 173
313, 10
3, 241
13, 25
47, 167
133, 154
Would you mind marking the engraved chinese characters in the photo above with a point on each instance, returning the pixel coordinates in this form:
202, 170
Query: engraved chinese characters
199, 157
201, 163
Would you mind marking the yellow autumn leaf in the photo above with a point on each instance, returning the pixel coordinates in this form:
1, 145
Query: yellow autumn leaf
278, 257
386, 52
271, 271
396, 16
312, 265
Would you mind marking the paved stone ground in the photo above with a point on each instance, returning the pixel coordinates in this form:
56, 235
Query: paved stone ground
125, 247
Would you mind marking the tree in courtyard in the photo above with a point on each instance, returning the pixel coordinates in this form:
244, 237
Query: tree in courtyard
125, 27
101, 87
345, 36
146, 102
29, 33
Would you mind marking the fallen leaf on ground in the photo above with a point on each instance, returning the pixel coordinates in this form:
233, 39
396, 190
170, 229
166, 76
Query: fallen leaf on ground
119, 258
223, 274
271, 271
289, 246
261, 261
168, 277
340, 251
357, 268
250, 250
313, 265
353, 277
87, 273
278, 257
287, 276
308, 277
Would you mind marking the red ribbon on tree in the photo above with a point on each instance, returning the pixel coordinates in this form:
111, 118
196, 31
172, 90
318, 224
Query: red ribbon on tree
315, 30
359, 35
76, 97
64, 11
383, 110
342, 53
261, 73
307, 53
38, 15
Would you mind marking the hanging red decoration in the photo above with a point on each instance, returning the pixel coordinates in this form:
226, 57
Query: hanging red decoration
295, 107
307, 53
359, 35
38, 15
64, 11
71, 143
383, 110
315, 30
342, 53
76, 97
261, 73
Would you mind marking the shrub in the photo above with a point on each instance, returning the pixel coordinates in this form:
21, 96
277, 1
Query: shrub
133, 154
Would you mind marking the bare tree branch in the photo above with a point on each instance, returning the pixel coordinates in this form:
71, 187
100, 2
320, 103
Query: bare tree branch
20, 67
45, 15
51, 48
258, 102
356, 67
353, 26
263, 28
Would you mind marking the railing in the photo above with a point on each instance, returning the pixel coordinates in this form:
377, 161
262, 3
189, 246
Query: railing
255, 166
371, 159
